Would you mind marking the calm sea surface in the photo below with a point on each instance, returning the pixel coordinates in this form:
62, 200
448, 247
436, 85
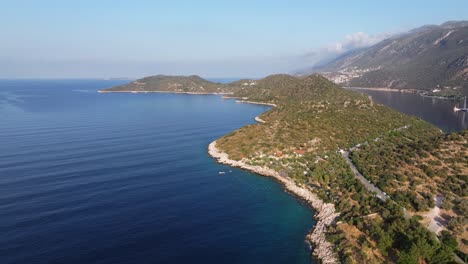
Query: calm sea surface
125, 178
434, 110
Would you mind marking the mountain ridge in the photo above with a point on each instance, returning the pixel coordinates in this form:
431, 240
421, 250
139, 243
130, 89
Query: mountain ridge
431, 57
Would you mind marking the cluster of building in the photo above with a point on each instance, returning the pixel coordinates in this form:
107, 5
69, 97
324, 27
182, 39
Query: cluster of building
347, 74
250, 83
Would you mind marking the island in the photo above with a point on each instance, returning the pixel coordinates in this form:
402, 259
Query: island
387, 187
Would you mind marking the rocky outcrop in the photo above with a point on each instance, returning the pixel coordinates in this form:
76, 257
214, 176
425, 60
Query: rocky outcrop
325, 215
258, 119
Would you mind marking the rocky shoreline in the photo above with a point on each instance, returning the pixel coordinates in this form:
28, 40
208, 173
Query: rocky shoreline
325, 212
253, 102
259, 120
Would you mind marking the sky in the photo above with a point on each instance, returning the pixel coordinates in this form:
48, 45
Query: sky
214, 39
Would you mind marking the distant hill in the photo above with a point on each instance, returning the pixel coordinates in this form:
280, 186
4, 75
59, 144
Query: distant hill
426, 58
177, 84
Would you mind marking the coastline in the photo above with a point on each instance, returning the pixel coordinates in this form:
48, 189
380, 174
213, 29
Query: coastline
232, 97
384, 89
244, 101
174, 92
253, 102
422, 93
325, 212
453, 98
257, 118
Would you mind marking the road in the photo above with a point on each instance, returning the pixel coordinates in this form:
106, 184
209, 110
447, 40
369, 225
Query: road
435, 225
369, 186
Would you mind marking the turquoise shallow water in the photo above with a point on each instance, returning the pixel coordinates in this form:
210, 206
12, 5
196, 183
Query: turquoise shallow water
125, 178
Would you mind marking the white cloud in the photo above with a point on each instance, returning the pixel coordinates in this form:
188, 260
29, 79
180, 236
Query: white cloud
350, 42
354, 41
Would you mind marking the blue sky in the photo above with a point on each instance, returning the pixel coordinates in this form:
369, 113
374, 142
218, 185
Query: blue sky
100, 39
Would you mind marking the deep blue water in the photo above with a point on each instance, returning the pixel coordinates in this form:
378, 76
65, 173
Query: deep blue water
125, 178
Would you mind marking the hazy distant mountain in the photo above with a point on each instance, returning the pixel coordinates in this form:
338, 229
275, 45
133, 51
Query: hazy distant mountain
425, 58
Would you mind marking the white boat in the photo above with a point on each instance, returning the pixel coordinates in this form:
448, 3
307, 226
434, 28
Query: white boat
464, 109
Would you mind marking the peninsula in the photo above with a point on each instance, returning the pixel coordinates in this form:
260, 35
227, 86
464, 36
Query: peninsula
367, 212
175, 84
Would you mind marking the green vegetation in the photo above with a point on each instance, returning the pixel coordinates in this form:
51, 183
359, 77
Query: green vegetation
414, 167
301, 136
368, 230
313, 115
179, 84
312, 120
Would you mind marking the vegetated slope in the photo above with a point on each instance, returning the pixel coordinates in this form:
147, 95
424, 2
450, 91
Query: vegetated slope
269, 88
312, 114
180, 84
427, 58
300, 138
414, 169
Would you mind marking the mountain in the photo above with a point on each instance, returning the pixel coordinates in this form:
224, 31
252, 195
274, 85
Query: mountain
176, 84
426, 58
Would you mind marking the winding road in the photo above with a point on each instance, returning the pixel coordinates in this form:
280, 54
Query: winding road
369, 186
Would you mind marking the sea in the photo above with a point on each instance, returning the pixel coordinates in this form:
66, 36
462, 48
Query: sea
125, 178
436, 111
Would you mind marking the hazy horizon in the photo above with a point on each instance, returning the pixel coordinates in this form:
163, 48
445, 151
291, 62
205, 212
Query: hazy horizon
89, 40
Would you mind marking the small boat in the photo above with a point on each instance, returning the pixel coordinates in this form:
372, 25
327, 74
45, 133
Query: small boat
221, 172
464, 109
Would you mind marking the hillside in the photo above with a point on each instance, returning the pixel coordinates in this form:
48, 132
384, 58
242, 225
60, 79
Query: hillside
177, 84
311, 113
299, 139
426, 58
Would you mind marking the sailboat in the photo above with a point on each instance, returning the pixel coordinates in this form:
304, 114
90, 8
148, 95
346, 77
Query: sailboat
464, 109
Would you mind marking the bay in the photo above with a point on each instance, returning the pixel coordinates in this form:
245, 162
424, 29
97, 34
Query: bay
434, 110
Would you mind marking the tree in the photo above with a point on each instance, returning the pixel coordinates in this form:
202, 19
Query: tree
448, 240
